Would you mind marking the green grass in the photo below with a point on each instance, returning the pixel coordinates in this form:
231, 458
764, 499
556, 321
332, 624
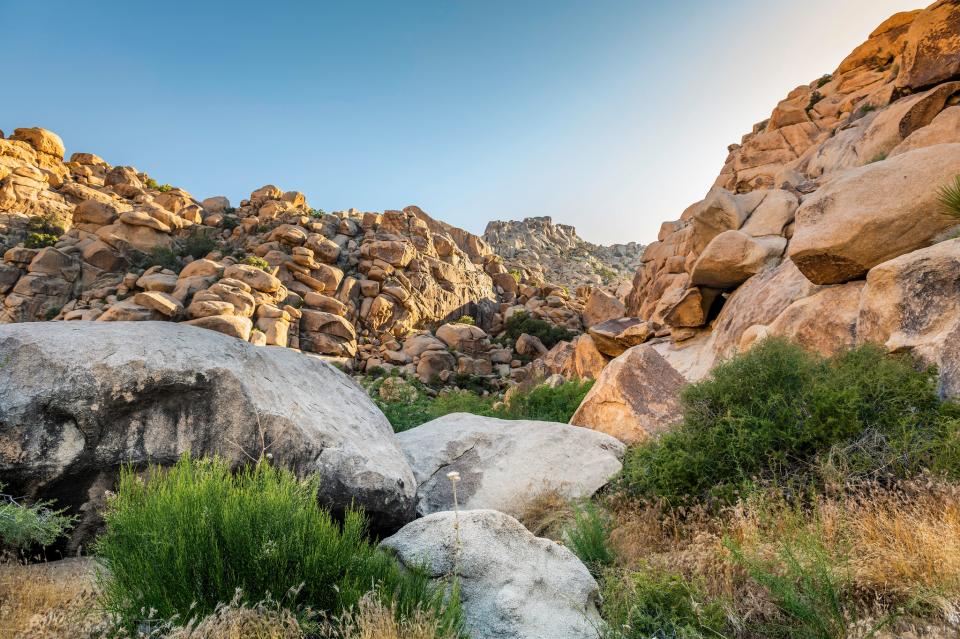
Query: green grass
779, 413
185, 539
949, 198
656, 604
409, 409
40, 240
588, 536
806, 584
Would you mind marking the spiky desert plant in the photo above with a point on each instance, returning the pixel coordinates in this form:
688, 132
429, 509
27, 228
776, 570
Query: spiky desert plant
949, 197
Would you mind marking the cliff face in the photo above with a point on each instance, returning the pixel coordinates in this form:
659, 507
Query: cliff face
542, 250
826, 224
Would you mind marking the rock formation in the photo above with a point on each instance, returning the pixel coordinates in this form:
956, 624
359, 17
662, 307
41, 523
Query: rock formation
824, 225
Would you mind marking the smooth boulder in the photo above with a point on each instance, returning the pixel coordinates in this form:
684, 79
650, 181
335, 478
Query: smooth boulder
78, 399
504, 462
635, 397
513, 585
868, 215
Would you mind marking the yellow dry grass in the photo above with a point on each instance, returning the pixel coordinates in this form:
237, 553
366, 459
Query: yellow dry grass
371, 619
49, 601
545, 514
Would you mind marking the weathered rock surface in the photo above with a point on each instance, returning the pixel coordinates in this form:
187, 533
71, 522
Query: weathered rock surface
513, 585
909, 304
78, 399
635, 397
872, 214
502, 463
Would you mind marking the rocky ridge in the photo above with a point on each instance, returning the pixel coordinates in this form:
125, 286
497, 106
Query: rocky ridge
825, 226
84, 240
538, 249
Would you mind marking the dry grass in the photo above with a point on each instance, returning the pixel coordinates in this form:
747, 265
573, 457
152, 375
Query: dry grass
545, 514
236, 621
371, 619
894, 548
49, 601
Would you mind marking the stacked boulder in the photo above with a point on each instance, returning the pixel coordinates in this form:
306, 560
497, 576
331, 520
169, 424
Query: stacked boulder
825, 227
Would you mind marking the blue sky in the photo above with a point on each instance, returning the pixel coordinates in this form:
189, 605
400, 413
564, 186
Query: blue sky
611, 115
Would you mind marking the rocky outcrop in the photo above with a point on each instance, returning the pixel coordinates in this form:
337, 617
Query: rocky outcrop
837, 189
503, 463
512, 585
541, 250
78, 399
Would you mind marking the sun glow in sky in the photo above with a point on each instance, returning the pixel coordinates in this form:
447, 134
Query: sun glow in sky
611, 115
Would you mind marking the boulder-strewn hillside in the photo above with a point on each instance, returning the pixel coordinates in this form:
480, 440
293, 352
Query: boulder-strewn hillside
825, 226
540, 249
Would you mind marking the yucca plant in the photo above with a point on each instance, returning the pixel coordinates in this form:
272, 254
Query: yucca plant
949, 196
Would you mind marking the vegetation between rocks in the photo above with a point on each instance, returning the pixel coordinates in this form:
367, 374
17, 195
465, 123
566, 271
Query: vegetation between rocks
180, 542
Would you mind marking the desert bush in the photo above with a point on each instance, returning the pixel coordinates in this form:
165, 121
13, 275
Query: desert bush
467, 319
181, 541
40, 240
197, 244
373, 619
23, 525
153, 184
230, 222
257, 262
949, 197
546, 403
161, 256
588, 536
522, 322
545, 514
777, 412
659, 604
236, 620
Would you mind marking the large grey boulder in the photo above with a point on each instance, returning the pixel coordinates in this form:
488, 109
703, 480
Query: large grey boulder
78, 399
512, 585
504, 462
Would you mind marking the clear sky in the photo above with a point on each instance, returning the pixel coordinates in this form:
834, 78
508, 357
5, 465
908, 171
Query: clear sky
611, 115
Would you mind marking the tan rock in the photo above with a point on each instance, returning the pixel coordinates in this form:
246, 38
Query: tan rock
232, 325
394, 252
825, 322
732, 257
944, 129
457, 335
129, 311
872, 214
201, 267
140, 218
160, 302
635, 397
691, 308
433, 363
613, 337
932, 51
530, 346
254, 277
243, 302
209, 308
325, 303
587, 361
910, 305
772, 215
216, 204
42, 140
602, 306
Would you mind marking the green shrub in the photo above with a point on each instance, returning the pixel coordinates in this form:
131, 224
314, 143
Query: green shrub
152, 184
824, 79
516, 275
521, 322
25, 525
949, 197
185, 539
466, 319
197, 244
548, 404
40, 240
317, 213
778, 412
230, 222
654, 604
588, 536
879, 157
257, 262
161, 256
815, 97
